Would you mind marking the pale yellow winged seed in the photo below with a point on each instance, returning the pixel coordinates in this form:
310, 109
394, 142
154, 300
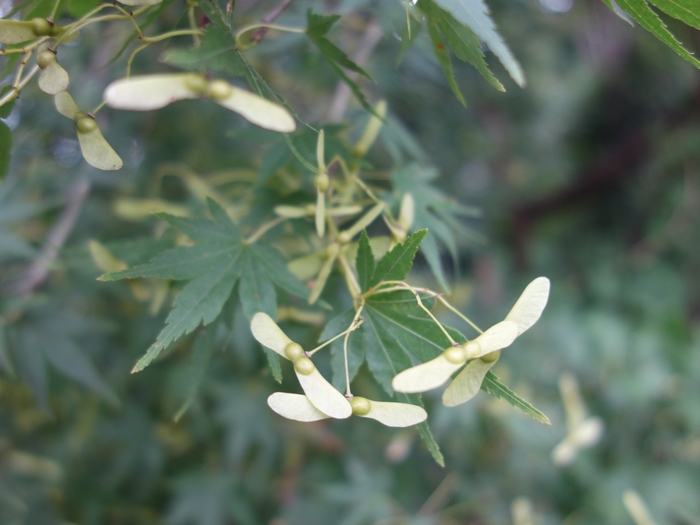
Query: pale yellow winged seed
304, 268
408, 211
268, 334
148, 92
259, 111
638, 510
293, 351
293, 212
323, 395
426, 376
65, 105
467, 383
295, 406
104, 259
360, 406
529, 306
15, 32
303, 366
395, 414
97, 152
53, 78
495, 338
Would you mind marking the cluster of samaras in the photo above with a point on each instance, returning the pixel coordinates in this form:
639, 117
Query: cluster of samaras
322, 400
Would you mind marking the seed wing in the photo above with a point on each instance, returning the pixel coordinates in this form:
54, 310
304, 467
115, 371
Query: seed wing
320, 217
324, 396
259, 111
147, 92
97, 151
268, 334
529, 306
588, 432
306, 267
341, 211
65, 105
467, 383
323, 275
396, 414
495, 338
426, 376
295, 406
53, 79
293, 212
15, 32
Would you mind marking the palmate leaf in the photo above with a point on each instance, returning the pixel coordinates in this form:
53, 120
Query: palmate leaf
5, 148
649, 20
213, 265
364, 262
443, 57
462, 40
475, 15
396, 264
317, 28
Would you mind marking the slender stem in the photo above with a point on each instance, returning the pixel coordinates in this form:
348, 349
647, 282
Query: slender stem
171, 34
263, 229
16, 88
350, 279
364, 186
54, 10
20, 70
460, 314
298, 156
24, 49
271, 16
353, 327
197, 40
133, 56
98, 108
348, 393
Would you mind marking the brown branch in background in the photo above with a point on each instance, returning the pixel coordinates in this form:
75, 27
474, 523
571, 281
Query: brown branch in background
269, 18
38, 271
341, 97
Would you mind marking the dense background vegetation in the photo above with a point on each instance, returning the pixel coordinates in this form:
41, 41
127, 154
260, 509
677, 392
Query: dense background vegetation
589, 176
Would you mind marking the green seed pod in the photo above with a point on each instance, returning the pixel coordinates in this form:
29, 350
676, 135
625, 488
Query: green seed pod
491, 357
196, 83
360, 406
321, 182
86, 124
304, 366
310, 209
344, 237
455, 354
293, 351
331, 251
41, 26
45, 59
219, 90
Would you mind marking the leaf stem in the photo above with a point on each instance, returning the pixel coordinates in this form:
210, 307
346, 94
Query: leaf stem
241, 47
348, 393
263, 229
320, 347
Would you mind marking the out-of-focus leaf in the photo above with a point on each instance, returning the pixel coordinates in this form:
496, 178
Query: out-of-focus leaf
443, 57
317, 28
217, 50
213, 265
649, 20
5, 149
475, 15
202, 350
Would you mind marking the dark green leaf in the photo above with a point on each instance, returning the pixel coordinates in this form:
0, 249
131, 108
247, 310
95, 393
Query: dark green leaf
475, 15
216, 51
202, 350
493, 386
275, 157
255, 289
364, 262
443, 58
5, 149
462, 40
396, 264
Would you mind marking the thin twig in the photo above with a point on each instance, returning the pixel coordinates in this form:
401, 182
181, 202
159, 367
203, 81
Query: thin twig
271, 16
38, 271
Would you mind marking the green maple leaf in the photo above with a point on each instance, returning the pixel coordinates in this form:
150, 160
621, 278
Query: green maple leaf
219, 258
317, 28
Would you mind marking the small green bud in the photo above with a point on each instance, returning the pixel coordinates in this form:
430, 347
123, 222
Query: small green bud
86, 124
45, 59
219, 90
455, 354
360, 406
491, 357
331, 251
293, 351
321, 182
310, 209
41, 26
344, 237
304, 366
196, 83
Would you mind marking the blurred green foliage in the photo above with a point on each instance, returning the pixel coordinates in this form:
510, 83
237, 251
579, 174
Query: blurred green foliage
588, 176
